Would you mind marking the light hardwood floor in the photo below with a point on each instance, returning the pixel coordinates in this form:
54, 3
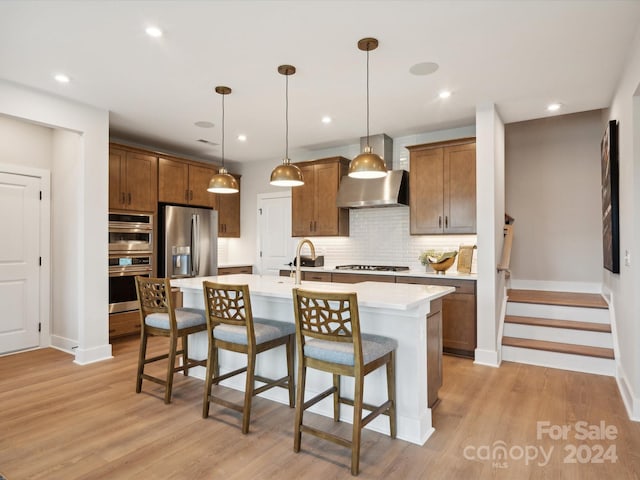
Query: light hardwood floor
59, 420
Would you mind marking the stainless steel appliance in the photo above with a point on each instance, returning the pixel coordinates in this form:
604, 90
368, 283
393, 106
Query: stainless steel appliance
122, 286
130, 233
188, 243
374, 268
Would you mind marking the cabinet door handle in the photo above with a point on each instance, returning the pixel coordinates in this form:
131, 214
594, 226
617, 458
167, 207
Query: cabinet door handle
129, 198
315, 227
190, 194
446, 221
311, 226
440, 221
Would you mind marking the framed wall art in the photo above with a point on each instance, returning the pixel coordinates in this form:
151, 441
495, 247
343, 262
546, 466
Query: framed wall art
610, 214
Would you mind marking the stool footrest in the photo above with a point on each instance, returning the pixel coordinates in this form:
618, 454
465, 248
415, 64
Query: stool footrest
326, 436
228, 375
319, 397
270, 383
153, 379
226, 403
384, 408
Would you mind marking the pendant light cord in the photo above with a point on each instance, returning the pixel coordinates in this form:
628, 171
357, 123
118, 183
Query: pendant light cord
286, 117
367, 98
222, 131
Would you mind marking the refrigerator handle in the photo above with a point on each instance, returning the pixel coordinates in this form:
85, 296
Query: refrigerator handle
195, 245
191, 233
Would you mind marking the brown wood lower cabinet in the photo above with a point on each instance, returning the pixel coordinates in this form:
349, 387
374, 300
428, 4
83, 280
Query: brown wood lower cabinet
358, 277
123, 324
458, 314
232, 270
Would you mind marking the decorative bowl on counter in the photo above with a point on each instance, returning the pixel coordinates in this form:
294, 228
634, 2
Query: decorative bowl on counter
438, 261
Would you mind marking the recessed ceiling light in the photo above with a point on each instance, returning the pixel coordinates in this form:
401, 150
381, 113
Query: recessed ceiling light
242, 138
154, 32
62, 78
326, 119
444, 94
554, 107
424, 68
204, 124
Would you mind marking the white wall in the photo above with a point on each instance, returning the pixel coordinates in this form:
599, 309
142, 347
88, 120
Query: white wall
553, 192
624, 288
24, 143
66, 242
89, 287
490, 220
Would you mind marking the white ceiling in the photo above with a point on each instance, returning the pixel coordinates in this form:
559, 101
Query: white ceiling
520, 55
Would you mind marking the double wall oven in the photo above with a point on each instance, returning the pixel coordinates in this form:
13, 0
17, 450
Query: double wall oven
130, 255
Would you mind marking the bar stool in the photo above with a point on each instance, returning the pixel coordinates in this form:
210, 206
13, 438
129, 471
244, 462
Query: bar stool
332, 324
231, 326
158, 317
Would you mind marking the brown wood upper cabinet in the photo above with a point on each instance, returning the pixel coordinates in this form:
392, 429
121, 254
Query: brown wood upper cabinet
442, 193
185, 183
132, 180
313, 205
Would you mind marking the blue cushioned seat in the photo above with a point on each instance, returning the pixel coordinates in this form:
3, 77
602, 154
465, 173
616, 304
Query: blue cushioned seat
373, 347
185, 318
264, 329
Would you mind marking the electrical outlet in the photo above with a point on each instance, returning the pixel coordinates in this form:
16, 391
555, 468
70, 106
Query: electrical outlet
627, 258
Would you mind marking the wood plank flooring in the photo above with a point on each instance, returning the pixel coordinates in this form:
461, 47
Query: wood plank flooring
59, 420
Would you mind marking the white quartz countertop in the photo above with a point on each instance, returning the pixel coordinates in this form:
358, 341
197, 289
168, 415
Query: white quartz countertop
394, 296
451, 273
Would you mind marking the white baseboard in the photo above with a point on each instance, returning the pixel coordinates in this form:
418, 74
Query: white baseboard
490, 358
68, 345
631, 401
556, 286
92, 355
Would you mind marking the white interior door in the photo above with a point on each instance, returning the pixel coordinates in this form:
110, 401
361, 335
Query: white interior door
19, 262
275, 245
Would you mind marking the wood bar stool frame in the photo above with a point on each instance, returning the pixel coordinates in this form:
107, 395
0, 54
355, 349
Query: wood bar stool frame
316, 318
231, 305
154, 296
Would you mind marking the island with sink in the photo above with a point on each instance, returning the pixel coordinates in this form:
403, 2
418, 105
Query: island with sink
411, 314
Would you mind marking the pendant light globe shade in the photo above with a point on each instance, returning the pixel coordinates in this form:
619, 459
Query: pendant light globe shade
286, 175
367, 164
223, 182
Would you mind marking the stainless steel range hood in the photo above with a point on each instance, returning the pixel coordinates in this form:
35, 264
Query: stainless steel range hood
389, 191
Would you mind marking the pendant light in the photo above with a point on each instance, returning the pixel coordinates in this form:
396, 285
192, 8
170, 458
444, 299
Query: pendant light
286, 174
223, 182
367, 164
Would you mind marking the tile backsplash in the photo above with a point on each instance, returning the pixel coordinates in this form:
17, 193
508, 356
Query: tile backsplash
381, 236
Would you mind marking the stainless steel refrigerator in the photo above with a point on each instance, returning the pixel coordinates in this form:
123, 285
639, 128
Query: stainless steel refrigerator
188, 245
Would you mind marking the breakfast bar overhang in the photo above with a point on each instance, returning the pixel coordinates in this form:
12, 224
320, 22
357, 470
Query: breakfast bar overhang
399, 311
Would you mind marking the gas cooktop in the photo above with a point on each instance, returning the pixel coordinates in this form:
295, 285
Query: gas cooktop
376, 268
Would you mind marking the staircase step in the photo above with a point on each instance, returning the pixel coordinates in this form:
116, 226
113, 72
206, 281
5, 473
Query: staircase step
549, 322
569, 299
558, 347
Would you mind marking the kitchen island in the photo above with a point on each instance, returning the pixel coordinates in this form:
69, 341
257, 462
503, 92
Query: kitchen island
411, 314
